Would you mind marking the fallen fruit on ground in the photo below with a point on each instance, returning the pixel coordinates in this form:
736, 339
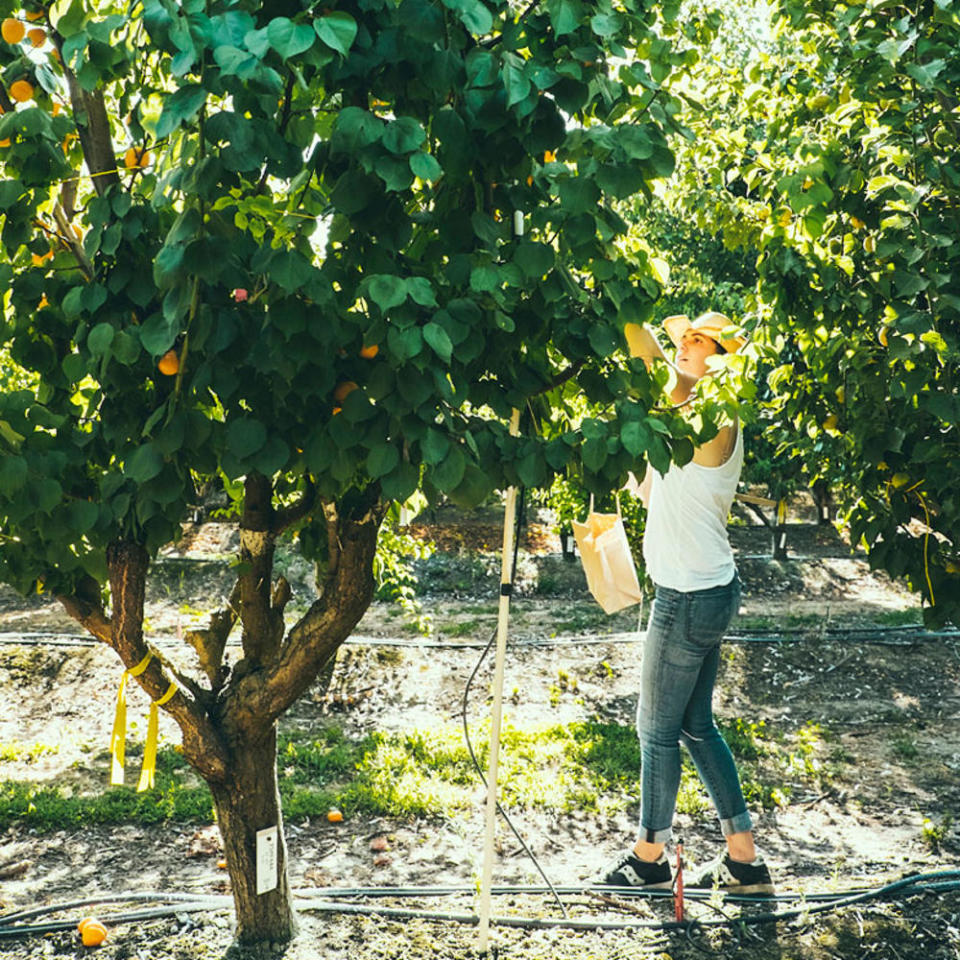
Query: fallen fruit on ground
334, 815
93, 933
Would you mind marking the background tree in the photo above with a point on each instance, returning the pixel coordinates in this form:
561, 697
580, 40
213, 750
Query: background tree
835, 157
320, 254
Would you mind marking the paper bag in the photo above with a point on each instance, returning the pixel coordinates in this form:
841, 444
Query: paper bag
607, 561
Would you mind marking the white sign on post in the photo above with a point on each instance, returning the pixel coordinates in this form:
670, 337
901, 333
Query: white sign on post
267, 841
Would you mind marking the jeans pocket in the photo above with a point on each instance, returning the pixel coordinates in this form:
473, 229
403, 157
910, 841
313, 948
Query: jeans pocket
711, 613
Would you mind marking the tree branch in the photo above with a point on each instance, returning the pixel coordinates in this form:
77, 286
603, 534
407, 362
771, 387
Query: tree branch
297, 511
127, 563
211, 641
95, 138
86, 608
258, 699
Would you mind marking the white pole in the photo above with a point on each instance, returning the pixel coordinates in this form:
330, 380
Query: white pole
503, 618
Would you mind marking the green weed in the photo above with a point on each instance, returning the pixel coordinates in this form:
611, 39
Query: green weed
587, 767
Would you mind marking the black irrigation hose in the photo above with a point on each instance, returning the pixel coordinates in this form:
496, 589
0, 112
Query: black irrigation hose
935, 882
879, 636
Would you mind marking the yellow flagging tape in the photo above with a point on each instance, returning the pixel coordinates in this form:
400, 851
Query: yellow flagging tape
118, 739
149, 767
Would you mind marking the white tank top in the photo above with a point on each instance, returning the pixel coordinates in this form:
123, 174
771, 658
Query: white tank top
685, 544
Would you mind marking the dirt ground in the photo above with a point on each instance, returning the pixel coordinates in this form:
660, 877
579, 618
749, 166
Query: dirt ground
821, 639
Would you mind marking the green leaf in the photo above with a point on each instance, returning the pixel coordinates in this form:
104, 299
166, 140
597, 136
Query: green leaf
404, 135
355, 128
100, 338
83, 515
634, 436
473, 489
426, 166
48, 493
158, 334
383, 458
605, 24
11, 192
386, 290
534, 259
400, 483
180, 106
420, 290
515, 79
565, 15
145, 463
438, 340
337, 30
290, 269
448, 474
13, 474
289, 38
234, 62
245, 437
434, 446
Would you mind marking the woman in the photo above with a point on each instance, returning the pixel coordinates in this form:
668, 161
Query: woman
689, 559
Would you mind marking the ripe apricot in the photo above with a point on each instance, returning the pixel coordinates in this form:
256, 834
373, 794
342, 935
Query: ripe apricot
33, 15
21, 90
135, 157
549, 156
12, 30
343, 390
369, 352
169, 363
93, 933
38, 36
334, 815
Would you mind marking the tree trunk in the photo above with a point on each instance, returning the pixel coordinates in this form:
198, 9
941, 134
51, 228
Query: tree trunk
248, 801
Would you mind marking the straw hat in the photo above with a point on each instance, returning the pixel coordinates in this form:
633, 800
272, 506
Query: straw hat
711, 325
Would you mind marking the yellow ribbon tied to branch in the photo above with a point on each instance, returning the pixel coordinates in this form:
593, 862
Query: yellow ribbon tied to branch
118, 739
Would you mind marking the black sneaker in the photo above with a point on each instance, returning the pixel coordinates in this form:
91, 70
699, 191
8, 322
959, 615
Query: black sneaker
631, 871
731, 876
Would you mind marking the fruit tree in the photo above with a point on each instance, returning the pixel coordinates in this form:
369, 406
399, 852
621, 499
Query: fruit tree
321, 253
833, 159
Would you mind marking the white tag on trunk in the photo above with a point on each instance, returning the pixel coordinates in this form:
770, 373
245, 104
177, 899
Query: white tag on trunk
267, 841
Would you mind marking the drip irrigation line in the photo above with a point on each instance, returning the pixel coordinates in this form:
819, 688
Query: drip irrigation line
881, 636
941, 881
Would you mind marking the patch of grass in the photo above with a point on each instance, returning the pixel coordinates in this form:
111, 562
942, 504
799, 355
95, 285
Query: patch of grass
905, 747
898, 618
15, 751
587, 767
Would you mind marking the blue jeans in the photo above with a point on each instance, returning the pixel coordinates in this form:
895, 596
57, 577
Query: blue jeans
680, 660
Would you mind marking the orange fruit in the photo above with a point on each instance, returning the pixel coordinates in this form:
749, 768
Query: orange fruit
549, 156
169, 363
334, 815
93, 933
34, 15
368, 353
883, 337
44, 302
38, 36
12, 30
136, 158
5, 142
857, 223
221, 864
343, 390
84, 922
21, 90
38, 260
